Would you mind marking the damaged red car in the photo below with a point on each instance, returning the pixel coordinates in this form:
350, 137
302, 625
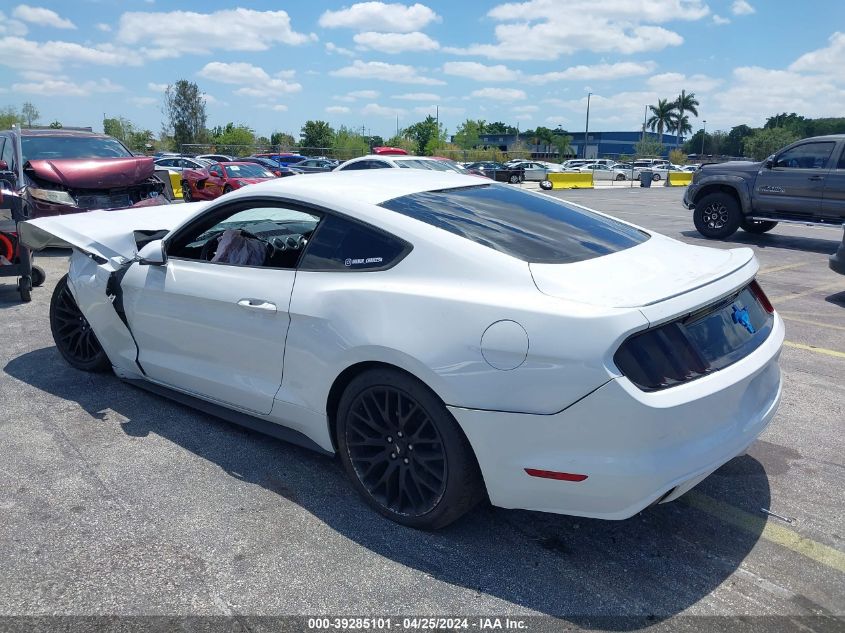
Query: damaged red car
67, 171
219, 178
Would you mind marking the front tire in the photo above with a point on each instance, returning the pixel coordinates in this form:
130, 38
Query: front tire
404, 452
758, 227
186, 192
227, 189
717, 216
72, 333
620, 176
514, 179
655, 177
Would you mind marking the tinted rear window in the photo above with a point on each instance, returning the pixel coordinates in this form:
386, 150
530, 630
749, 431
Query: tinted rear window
533, 228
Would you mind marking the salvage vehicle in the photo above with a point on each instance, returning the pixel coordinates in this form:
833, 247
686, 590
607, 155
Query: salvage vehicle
181, 163
280, 171
66, 171
219, 178
386, 317
499, 171
802, 183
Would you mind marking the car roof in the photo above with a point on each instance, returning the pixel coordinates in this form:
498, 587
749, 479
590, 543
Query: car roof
61, 132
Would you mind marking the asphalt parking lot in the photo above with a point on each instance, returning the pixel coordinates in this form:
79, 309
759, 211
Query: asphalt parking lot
117, 502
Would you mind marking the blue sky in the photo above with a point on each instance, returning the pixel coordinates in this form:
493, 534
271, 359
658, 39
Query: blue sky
275, 64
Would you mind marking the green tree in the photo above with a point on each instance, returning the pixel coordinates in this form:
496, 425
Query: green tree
118, 127
563, 144
140, 141
316, 134
685, 103
30, 113
765, 142
734, 140
681, 125
282, 139
497, 127
9, 117
791, 120
677, 157
467, 136
237, 140
649, 146
426, 135
348, 143
56, 125
402, 142
661, 117
184, 111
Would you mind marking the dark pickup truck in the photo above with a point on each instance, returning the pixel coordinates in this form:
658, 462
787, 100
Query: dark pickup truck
802, 183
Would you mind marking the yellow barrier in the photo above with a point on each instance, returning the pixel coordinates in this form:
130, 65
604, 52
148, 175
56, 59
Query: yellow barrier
679, 178
571, 180
176, 183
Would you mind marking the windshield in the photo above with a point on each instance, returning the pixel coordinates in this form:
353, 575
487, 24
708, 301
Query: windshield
527, 226
44, 147
250, 170
433, 165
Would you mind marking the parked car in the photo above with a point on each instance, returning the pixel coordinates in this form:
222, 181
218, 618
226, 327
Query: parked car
219, 178
532, 171
285, 158
402, 304
389, 151
388, 161
316, 165
804, 182
55, 172
217, 158
180, 163
603, 172
499, 171
280, 171
628, 169
573, 163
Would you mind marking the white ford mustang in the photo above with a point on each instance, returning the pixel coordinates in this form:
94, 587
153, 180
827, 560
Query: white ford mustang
448, 337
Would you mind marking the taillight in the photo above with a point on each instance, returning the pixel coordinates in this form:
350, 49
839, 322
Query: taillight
758, 293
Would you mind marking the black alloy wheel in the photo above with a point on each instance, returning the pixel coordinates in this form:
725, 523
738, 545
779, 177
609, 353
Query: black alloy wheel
404, 452
72, 333
186, 192
514, 179
717, 215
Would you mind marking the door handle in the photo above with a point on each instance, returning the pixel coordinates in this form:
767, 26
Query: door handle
816, 178
257, 304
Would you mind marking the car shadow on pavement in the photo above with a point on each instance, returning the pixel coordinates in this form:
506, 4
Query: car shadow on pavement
774, 240
588, 572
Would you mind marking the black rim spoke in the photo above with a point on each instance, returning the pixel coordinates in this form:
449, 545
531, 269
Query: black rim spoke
396, 451
73, 332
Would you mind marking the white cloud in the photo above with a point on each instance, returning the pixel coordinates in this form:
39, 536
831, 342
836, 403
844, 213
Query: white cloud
481, 72
337, 109
65, 88
102, 26
333, 48
20, 53
275, 107
179, 32
395, 42
212, 100
829, 60
672, 83
349, 97
526, 108
374, 109
619, 70
719, 20
742, 7
499, 94
142, 102
41, 17
380, 16
9, 26
444, 110
156, 87
256, 81
382, 71
417, 96
540, 30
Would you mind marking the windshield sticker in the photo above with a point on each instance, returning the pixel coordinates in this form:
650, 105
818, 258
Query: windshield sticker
362, 260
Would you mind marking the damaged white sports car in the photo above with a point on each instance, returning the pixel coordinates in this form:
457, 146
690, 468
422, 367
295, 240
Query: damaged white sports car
449, 338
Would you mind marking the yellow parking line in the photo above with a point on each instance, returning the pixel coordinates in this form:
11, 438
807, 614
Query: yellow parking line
813, 348
796, 295
767, 529
811, 322
775, 269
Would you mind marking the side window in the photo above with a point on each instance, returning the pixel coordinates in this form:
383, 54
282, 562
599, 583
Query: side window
841, 164
344, 245
266, 236
806, 156
8, 151
361, 164
216, 171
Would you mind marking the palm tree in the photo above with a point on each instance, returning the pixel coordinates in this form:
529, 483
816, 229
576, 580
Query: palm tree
680, 125
661, 117
686, 103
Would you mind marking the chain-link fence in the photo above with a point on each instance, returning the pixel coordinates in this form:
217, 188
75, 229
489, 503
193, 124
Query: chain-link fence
236, 151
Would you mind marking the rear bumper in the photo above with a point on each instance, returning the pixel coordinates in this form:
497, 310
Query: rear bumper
635, 447
837, 260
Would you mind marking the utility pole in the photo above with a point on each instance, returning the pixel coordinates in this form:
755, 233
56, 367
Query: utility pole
437, 131
587, 125
645, 116
703, 135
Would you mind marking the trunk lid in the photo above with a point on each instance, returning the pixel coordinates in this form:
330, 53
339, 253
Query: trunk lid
660, 277
107, 234
94, 173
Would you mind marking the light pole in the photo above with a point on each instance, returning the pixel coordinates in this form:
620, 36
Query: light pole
703, 136
587, 125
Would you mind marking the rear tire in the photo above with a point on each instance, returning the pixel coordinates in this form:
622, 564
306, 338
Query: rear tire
186, 192
620, 176
404, 452
655, 177
38, 276
514, 179
227, 189
546, 185
72, 333
758, 227
717, 215
25, 288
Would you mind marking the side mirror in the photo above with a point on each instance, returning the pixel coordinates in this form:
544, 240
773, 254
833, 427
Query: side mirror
152, 254
770, 162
